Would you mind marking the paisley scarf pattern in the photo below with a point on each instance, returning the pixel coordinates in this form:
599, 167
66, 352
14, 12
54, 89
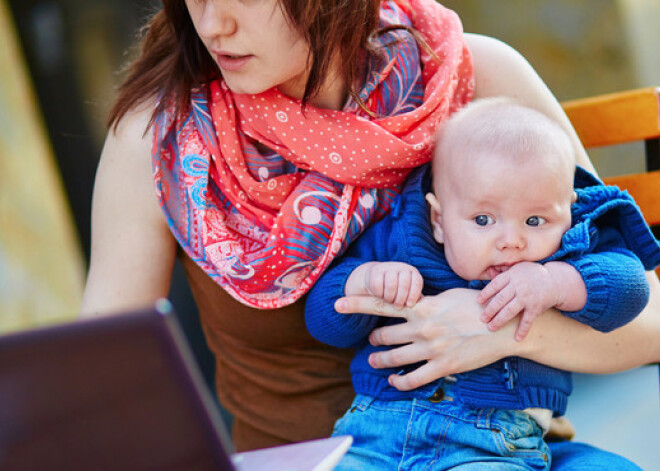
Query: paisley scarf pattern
263, 196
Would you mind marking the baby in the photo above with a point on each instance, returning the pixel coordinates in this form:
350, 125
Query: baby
499, 206
511, 215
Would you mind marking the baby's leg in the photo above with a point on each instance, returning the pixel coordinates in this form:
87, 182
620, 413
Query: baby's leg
574, 456
437, 432
378, 429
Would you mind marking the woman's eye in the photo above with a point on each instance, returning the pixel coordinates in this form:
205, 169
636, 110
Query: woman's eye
535, 221
483, 220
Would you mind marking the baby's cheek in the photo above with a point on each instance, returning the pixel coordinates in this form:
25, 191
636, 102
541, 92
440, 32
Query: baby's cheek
466, 266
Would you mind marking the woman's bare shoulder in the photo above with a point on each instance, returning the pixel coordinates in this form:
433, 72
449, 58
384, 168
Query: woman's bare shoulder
133, 131
132, 247
500, 70
125, 164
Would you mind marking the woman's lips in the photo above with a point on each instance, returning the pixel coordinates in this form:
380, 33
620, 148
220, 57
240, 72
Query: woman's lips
231, 63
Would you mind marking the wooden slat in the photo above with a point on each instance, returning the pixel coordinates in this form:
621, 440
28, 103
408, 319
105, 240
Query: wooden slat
645, 188
616, 117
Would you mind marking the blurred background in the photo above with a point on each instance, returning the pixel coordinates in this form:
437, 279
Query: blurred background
60, 61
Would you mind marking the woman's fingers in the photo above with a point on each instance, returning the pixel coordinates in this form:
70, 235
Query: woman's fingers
399, 356
369, 305
419, 377
443, 331
398, 334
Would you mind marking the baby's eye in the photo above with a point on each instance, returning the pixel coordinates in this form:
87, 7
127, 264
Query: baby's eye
535, 221
483, 220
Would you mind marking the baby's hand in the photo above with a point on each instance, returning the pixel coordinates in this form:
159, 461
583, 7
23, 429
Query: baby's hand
397, 283
526, 288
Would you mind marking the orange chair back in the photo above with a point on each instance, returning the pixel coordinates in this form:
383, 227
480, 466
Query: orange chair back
619, 118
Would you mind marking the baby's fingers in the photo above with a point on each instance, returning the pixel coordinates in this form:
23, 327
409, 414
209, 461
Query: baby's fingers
416, 285
496, 285
402, 288
508, 312
501, 299
525, 325
390, 286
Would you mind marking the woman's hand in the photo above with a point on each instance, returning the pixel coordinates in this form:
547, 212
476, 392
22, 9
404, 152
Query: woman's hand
444, 330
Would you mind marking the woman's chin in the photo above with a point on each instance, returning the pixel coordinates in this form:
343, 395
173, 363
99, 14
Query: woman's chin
245, 89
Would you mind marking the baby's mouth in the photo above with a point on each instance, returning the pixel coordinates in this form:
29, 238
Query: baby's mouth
495, 270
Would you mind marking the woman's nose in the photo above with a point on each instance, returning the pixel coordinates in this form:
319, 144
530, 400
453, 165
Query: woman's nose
216, 20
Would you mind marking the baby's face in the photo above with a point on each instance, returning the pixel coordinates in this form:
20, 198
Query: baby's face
495, 213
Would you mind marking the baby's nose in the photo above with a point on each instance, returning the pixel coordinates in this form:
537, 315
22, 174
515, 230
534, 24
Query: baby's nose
511, 238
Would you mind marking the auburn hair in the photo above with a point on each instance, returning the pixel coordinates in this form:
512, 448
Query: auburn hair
173, 60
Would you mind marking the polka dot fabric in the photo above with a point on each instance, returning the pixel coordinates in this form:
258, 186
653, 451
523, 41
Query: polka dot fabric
263, 196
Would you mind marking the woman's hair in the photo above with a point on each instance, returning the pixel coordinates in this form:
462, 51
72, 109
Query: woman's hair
173, 60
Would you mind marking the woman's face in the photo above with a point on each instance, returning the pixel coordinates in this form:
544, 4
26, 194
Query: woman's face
253, 44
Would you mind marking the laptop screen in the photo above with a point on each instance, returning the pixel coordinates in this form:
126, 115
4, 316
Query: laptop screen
116, 392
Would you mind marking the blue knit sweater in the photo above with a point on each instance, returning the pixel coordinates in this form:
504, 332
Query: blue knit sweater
609, 244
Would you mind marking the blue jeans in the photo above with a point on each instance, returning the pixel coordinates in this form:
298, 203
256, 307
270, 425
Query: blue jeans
573, 456
421, 434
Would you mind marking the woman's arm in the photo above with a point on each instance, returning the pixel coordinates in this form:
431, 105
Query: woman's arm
560, 342
132, 248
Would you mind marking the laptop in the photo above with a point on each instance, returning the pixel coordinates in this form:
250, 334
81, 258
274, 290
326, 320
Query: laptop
123, 392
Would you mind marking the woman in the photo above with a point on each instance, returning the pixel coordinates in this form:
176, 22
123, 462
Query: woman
270, 374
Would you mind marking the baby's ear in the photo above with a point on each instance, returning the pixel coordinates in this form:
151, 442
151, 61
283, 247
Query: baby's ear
436, 218
574, 197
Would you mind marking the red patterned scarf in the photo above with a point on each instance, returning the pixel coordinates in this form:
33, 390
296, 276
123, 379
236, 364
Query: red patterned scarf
264, 224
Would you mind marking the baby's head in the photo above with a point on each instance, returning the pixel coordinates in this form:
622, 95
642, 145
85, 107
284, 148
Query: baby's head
502, 187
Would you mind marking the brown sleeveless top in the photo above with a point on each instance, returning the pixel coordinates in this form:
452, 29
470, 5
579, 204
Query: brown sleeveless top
279, 383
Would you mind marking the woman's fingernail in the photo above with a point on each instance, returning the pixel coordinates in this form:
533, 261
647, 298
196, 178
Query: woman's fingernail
340, 305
